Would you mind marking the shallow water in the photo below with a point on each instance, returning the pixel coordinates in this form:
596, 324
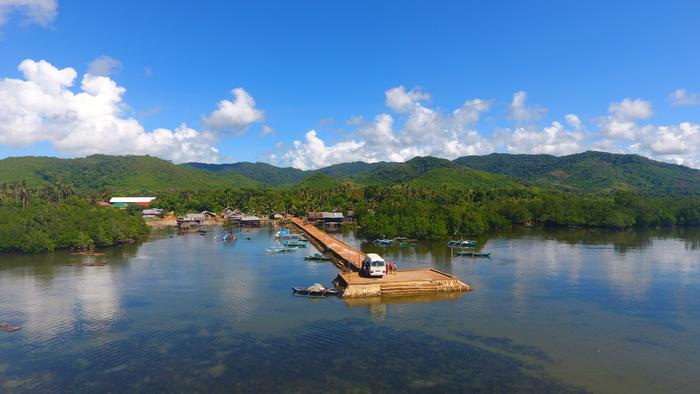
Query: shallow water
564, 310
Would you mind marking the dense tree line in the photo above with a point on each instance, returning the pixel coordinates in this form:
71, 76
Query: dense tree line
53, 217
429, 213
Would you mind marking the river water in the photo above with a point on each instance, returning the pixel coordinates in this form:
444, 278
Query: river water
551, 311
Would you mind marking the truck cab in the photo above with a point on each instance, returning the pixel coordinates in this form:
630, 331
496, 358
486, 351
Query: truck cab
373, 265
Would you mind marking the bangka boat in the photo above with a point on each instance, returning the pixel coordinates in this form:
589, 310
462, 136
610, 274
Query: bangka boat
294, 243
466, 243
406, 244
383, 242
317, 290
317, 257
280, 249
285, 234
469, 253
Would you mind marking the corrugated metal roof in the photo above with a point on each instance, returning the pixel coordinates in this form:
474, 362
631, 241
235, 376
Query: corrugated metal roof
131, 199
248, 218
331, 215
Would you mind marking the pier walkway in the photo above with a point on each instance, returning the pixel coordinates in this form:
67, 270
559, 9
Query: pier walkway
347, 255
419, 281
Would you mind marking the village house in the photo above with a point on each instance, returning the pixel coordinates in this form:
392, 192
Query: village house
231, 214
326, 217
152, 212
190, 220
250, 221
209, 215
278, 215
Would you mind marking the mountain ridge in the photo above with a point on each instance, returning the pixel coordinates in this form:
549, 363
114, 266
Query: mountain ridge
588, 172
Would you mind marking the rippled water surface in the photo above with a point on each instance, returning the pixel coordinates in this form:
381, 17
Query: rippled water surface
566, 310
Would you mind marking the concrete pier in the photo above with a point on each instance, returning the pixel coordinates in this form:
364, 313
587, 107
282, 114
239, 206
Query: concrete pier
400, 283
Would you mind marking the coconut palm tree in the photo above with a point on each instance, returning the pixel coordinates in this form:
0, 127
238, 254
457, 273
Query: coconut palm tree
23, 193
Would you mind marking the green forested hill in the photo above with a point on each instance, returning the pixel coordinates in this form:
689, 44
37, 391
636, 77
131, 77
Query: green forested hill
122, 174
588, 172
592, 172
264, 173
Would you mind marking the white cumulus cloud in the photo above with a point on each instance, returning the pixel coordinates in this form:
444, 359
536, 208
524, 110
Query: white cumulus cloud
41, 12
104, 65
235, 115
426, 131
682, 97
42, 107
521, 113
401, 100
573, 121
553, 140
622, 118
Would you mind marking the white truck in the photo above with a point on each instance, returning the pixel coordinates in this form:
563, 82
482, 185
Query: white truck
373, 265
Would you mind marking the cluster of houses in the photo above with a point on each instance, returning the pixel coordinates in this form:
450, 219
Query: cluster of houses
230, 215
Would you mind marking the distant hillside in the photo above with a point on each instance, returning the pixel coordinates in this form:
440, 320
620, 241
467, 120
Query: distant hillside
123, 174
262, 172
349, 170
588, 172
465, 178
395, 173
592, 172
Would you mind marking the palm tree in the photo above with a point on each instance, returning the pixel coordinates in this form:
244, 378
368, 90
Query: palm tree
22, 193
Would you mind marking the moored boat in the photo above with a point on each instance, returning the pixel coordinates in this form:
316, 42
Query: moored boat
383, 242
317, 290
469, 253
280, 249
285, 234
317, 257
465, 243
294, 243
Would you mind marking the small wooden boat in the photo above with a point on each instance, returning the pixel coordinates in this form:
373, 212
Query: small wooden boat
280, 249
285, 234
317, 257
317, 290
466, 243
469, 253
294, 243
10, 328
383, 242
406, 244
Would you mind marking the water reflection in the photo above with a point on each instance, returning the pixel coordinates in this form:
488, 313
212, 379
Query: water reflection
552, 310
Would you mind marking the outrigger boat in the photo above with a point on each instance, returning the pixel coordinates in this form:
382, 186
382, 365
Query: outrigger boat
294, 243
407, 244
466, 243
383, 242
315, 291
469, 253
285, 234
317, 257
280, 249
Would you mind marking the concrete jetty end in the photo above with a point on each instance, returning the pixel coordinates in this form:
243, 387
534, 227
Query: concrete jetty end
402, 283
405, 282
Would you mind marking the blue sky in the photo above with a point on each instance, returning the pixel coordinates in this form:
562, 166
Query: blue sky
314, 65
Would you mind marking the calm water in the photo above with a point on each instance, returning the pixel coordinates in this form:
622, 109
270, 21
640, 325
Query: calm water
566, 310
